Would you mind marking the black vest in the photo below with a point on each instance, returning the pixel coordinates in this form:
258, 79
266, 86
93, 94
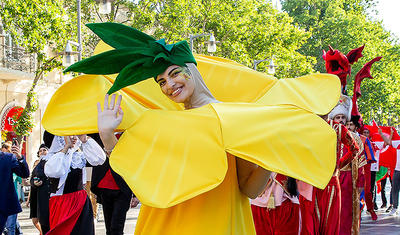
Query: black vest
73, 183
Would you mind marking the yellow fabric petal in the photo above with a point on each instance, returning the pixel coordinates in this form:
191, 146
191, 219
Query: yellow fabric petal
230, 81
167, 157
72, 109
318, 93
283, 139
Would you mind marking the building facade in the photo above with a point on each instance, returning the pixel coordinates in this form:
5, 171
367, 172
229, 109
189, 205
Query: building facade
17, 71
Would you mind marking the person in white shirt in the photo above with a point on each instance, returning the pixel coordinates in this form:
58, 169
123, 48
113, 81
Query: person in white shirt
70, 208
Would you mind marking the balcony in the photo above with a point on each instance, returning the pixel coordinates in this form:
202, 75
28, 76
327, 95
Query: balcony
15, 58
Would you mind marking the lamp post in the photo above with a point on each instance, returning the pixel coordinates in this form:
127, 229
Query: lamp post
68, 55
105, 6
212, 44
271, 66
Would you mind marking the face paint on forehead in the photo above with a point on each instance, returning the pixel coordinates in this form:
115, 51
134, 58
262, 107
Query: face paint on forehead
185, 72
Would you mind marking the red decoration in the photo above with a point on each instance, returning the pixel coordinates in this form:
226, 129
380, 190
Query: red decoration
8, 120
355, 54
388, 157
337, 63
365, 72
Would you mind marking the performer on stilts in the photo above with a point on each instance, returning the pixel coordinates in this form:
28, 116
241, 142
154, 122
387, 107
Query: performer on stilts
70, 207
194, 170
340, 64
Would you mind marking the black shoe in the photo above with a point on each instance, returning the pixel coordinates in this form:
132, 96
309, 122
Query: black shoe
389, 209
383, 206
376, 207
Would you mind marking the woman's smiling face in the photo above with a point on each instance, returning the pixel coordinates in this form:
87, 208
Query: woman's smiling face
176, 83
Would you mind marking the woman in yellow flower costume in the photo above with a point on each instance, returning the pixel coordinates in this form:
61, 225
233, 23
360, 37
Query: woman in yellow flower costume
194, 169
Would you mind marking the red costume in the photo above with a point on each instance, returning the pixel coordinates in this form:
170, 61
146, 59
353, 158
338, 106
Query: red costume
351, 181
275, 211
328, 201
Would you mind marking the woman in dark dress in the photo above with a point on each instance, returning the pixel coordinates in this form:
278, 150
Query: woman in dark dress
32, 203
40, 191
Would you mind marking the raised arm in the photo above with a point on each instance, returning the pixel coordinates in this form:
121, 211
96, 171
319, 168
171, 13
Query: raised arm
58, 164
387, 140
92, 151
20, 167
108, 120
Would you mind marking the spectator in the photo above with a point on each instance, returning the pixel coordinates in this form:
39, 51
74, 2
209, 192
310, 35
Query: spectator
10, 163
32, 203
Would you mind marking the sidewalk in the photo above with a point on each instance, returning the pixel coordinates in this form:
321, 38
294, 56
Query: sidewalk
384, 224
130, 223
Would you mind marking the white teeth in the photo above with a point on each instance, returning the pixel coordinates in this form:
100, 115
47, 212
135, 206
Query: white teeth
173, 93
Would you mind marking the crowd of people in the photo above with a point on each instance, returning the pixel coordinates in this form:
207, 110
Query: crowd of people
58, 200
177, 195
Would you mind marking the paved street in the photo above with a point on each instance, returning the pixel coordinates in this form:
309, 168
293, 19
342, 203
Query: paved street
130, 223
384, 224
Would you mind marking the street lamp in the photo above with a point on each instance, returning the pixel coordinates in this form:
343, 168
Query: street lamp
68, 55
105, 6
271, 66
212, 44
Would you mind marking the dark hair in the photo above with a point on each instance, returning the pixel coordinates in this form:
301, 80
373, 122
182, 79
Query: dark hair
292, 187
40, 147
47, 139
6, 145
355, 121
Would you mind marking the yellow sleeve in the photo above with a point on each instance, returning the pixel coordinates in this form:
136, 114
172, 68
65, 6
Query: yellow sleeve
283, 139
72, 109
167, 157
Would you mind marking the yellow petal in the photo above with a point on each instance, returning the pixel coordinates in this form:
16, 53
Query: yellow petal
72, 109
167, 157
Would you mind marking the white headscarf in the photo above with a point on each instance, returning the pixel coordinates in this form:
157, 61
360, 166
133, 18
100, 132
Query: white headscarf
201, 95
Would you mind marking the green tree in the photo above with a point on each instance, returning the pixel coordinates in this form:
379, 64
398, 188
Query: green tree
35, 25
247, 30
345, 25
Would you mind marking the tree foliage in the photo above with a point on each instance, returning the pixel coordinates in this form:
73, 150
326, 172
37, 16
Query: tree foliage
345, 25
247, 30
35, 25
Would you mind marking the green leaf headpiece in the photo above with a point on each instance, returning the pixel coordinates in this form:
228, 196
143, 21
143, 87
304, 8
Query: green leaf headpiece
136, 57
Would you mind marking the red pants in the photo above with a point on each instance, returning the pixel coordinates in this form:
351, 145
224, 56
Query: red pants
307, 211
283, 220
367, 187
346, 214
327, 208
